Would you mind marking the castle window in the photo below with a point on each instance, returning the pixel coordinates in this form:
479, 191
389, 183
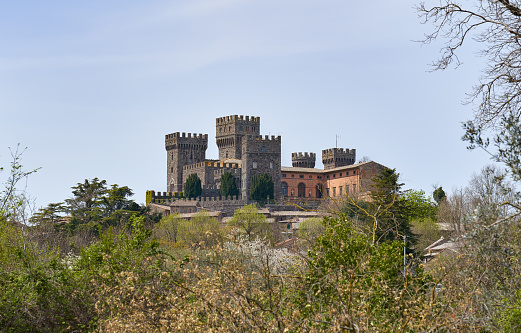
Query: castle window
334, 175
327, 192
319, 177
301, 176
340, 190
354, 172
292, 176
283, 175
272, 165
171, 170
327, 176
284, 189
334, 191
263, 149
354, 188
254, 165
347, 189
340, 174
310, 177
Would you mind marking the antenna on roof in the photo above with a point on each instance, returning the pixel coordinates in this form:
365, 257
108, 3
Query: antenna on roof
336, 140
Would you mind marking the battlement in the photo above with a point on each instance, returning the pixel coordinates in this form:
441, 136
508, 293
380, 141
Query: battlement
211, 164
337, 157
263, 138
303, 160
162, 197
183, 135
338, 151
236, 118
303, 155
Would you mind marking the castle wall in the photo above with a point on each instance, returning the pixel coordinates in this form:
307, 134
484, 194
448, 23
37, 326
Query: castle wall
261, 155
183, 149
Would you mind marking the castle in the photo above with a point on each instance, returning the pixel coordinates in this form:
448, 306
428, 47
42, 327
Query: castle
245, 153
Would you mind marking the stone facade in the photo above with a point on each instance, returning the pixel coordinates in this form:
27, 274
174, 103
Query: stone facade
242, 151
261, 155
182, 150
337, 157
245, 153
303, 160
229, 134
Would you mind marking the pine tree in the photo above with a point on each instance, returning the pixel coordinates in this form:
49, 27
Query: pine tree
261, 187
228, 185
193, 186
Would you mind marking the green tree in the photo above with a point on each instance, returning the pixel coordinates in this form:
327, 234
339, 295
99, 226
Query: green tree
193, 186
261, 187
359, 286
200, 231
249, 221
420, 206
439, 195
392, 213
166, 231
311, 228
228, 185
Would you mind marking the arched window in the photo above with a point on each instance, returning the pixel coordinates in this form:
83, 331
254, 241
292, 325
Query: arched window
284, 189
301, 190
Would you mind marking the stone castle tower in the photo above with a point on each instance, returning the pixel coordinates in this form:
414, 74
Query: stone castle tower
337, 157
260, 155
230, 132
182, 149
238, 139
303, 160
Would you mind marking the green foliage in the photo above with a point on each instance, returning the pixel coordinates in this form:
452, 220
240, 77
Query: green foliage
228, 185
261, 187
363, 280
12, 201
420, 206
439, 195
510, 316
166, 230
193, 186
391, 213
311, 228
199, 231
249, 221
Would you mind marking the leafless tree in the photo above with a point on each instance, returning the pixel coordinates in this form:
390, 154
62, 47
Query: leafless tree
496, 24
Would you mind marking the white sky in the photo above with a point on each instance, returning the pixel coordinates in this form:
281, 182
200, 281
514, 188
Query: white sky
92, 87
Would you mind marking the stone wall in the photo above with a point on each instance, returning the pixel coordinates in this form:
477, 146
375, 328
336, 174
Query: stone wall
182, 149
261, 155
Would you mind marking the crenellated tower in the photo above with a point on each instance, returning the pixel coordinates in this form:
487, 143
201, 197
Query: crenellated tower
230, 131
182, 149
337, 157
261, 155
303, 160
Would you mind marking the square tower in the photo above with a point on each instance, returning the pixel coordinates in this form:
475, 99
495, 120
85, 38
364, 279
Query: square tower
182, 149
230, 131
261, 155
337, 157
